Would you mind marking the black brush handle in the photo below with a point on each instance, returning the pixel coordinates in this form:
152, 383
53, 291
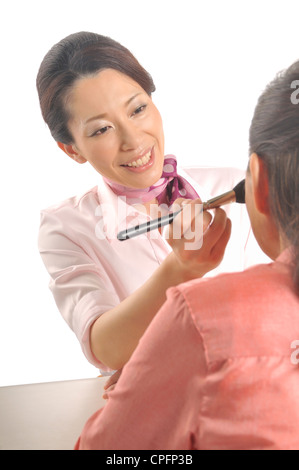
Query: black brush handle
237, 194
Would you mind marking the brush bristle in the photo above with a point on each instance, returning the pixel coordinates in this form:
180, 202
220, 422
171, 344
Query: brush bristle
239, 190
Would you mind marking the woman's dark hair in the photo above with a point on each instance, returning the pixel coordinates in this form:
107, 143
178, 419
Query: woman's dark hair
77, 56
274, 137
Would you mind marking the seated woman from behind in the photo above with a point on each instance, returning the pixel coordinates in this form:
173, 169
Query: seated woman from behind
216, 368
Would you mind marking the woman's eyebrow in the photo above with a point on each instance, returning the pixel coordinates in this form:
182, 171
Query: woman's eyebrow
94, 118
132, 98
104, 115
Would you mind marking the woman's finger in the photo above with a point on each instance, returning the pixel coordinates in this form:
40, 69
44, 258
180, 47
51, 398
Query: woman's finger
113, 379
106, 391
216, 229
218, 249
190, 222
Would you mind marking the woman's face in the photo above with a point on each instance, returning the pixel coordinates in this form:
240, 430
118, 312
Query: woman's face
117, 129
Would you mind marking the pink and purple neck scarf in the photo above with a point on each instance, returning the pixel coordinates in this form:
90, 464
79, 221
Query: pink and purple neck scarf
167, 189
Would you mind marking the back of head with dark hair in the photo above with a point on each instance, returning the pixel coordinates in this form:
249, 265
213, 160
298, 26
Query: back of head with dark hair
274, 137
77, 56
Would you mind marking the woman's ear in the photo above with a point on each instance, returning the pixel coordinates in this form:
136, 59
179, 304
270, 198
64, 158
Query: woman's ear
260, 184
72, 152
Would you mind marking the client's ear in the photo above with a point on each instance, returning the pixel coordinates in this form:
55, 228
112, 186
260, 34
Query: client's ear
260, 184
72, 152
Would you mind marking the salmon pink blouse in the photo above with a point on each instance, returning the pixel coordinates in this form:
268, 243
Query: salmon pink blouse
216, 369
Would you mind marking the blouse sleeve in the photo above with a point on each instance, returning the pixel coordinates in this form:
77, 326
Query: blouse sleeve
81, 289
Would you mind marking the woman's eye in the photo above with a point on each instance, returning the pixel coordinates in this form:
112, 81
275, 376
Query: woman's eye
101, 131
139, 109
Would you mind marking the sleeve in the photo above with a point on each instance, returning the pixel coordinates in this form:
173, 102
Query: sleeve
82, 291
156, 402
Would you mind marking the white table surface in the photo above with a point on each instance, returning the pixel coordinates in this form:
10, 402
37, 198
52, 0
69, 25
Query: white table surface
47, 416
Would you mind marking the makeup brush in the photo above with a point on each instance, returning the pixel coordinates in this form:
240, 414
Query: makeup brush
237, 194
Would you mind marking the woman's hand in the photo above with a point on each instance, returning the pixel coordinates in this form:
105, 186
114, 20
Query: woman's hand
136, 312
111, 382
198, 242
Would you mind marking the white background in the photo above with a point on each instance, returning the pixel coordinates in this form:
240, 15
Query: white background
210, 60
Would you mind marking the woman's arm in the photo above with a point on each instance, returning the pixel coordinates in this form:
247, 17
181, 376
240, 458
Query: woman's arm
115, 334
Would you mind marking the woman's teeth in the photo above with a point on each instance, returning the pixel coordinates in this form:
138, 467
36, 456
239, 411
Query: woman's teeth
141, 161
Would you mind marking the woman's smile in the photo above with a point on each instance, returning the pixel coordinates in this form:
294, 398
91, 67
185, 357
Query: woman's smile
142, 163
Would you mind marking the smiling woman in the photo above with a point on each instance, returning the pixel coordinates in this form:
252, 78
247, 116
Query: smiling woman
116, 128
96, 99
80, 55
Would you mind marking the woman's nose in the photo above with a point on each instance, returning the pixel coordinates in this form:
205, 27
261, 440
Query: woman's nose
130, 137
